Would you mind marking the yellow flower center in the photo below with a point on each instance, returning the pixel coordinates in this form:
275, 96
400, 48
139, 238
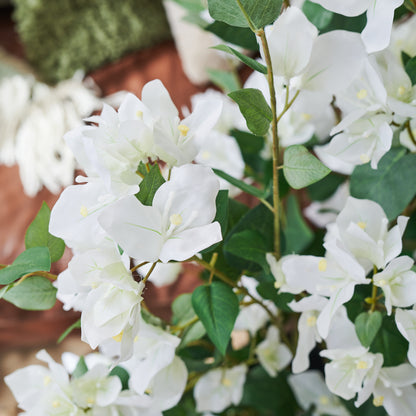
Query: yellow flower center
362, 94
226, 382
56, 403
176, 219
46, 380
322, 265
83, 211
362, 225
364, 158
306, 116
183, 129
362, 365
378, 401
311, 321
139, 114
118, 337
401, 90
324, 400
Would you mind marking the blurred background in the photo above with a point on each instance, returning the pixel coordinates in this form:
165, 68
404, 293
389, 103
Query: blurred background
58, 61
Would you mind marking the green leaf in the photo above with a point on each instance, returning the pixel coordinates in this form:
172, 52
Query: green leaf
252, 190
326, 187
3, 290
367, 324
182, 309
226, 80
37, 234
411, 69
267, 291
35, 293
390, 342
75, 325
217, 307
301, 168
405, 58
149, 185
411, 5
80, 369
248, 245
123, 375
254, 108
260, 393
192, 333
32, 260
240, 36
317, 15
252, 63
390, 185
261, 12
297, 234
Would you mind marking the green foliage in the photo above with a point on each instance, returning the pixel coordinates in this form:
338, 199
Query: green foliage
411, 5
75, 325
32, 260
196, 6
390, 342
410, 68
390, 184
317, 15
252, 63
123, 375
301, 168
61, 37
271, 396
217, 307
252, 190
239, 36
254, 108
80, 369
267, 291
226, 80
326, 187
250, 246
297, 233
37, 235
260, 12
149, 185
367, 325
35, 293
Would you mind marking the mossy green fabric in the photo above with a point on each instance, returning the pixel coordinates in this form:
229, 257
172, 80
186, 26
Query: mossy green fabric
62, 36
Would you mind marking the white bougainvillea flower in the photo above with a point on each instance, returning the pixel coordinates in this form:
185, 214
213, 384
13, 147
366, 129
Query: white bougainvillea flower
310, 389
328, 62
74, 217
322, 213
365, 140
398, 283
175, 139
219, 388
352, 371
362, 228
394, 390
406, 323
253, 317
281, 283
334, 276
403, 37
178, 224
273, 355
380, 13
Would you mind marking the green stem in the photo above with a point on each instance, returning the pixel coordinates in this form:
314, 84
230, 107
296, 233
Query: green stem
138, 266
38, 273
410, 132
373, 293
149, 272
276, 145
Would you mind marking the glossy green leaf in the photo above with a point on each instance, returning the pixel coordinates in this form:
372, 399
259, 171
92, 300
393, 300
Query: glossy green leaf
35, 293
32, 260
226, 80
367, 324
297, 233
149, 185
390, 185
240, 36
123, 375
260, 12
301, 168
411, 69
80, 369
317, 15
249, 245
252, 190
254, 108
250, 62
217, 307
37, 234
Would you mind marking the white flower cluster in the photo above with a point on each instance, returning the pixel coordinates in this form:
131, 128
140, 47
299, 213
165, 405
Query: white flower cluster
357, 243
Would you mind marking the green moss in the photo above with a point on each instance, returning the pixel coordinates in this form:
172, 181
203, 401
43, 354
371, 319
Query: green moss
63, 36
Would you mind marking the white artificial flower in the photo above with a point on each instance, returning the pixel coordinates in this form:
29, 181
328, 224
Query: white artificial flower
334, 276
362, 228
253, 317
380, 13
394, 390
178, 224
406, 324
352, 371
276, 268
310, 390
403, 37
219, 388
398, 283
273, 355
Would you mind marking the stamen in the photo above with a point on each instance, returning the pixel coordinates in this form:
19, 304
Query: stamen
311, 321
176, 219
183, 129
362, 225
378, 401
322, 265
83, 211
362, 94
118, 337
362, 365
